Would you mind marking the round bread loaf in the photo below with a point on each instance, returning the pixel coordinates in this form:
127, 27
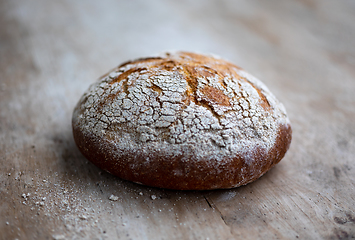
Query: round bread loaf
182, 121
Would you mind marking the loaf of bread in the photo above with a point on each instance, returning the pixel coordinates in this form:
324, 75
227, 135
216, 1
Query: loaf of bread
182, 121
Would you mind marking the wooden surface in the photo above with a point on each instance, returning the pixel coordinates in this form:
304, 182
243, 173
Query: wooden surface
51, 51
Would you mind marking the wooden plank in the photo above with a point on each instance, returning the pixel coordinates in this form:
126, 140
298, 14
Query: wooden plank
51, 51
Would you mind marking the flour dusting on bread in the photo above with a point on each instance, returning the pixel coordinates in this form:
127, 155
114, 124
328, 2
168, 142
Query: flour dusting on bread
181, 104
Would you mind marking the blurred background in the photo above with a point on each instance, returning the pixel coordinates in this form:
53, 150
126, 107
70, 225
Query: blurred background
51, 51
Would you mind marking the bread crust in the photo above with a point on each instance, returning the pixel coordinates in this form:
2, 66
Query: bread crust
182, 121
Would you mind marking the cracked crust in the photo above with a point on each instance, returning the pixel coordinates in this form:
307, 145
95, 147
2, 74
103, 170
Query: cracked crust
182, 121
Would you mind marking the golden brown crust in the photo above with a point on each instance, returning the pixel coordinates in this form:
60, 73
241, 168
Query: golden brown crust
240, 135
195, 177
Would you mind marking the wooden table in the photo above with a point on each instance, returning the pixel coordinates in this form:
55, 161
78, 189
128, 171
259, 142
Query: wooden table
51, 51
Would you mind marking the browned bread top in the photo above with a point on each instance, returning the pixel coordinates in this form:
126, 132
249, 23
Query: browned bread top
182, 121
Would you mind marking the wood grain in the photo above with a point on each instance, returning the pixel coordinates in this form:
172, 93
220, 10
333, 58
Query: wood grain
50, 52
